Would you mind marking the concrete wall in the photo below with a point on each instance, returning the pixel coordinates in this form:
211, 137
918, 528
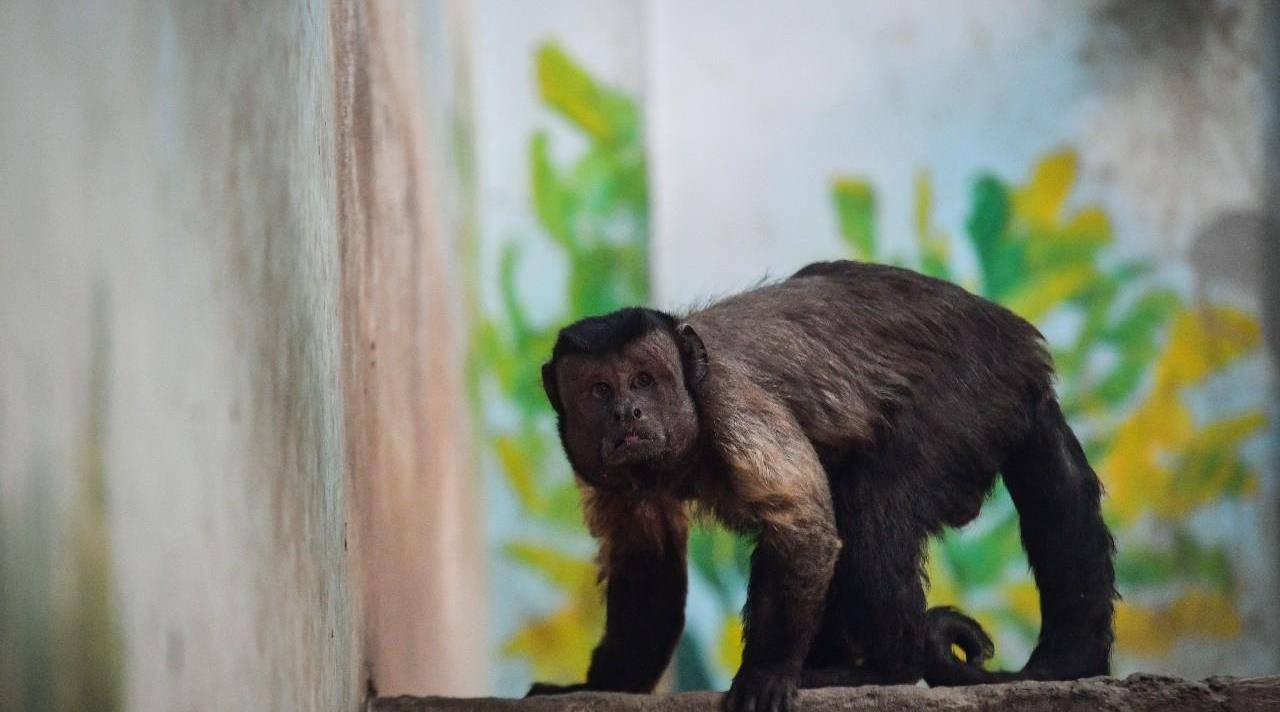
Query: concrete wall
417, 527
211, 215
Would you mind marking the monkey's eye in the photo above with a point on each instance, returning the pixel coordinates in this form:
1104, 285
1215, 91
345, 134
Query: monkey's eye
601, 390
642, 380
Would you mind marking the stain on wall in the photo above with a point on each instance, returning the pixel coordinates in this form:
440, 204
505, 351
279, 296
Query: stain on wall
169, 279
414, 524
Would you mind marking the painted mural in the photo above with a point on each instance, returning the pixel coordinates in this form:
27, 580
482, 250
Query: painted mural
1133, 357
593, 212
1138, 365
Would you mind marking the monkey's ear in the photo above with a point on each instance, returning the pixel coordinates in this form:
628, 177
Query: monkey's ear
551, 387
696, 362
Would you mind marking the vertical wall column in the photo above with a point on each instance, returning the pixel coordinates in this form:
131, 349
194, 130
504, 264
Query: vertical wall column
172, 460
1270, 240
411, 519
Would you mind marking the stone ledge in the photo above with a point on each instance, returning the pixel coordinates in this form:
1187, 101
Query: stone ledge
1140, 691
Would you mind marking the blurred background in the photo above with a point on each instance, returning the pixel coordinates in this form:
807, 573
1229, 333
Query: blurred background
277, 279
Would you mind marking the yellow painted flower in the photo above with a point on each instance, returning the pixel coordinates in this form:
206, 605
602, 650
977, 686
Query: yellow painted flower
1024, 600
1153, 631
519, 466
942, 590
1040, 201
729, 648
559, 645
573, 92
1038, 298
1152, 465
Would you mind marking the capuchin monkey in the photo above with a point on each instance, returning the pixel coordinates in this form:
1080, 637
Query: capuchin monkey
841, 417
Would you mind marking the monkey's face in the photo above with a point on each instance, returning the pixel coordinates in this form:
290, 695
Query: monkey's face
626, 413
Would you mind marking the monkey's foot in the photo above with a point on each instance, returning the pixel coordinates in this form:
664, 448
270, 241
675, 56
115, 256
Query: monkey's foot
547, 688
761, 692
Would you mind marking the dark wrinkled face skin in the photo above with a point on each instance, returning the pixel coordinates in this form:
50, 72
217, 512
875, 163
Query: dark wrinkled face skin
628, 416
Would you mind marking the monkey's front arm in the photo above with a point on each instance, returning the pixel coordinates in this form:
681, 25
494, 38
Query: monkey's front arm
779, 485
642, 558
790, 572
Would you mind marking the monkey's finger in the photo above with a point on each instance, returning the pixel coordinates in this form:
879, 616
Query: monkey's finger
546, 688
740, 699
773, 700
782, 695
542, 688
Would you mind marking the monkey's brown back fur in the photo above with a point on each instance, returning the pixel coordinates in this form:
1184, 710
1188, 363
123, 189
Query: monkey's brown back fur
863, 355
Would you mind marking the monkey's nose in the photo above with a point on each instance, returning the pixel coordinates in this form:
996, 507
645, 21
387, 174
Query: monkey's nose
624, 413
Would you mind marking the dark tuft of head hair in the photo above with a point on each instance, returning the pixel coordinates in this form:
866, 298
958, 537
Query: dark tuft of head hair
608, 333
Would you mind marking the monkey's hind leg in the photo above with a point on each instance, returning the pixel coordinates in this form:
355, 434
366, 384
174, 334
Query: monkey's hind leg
829, 649
877, 593
1068, 546
833, 661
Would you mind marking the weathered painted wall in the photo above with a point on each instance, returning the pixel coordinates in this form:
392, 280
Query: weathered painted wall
170, 272
228, 376
415, 522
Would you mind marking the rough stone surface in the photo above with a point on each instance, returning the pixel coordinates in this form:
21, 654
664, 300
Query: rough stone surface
1136, 692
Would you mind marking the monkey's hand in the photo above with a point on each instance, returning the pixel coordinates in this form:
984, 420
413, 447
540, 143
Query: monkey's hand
761, 692
547, 688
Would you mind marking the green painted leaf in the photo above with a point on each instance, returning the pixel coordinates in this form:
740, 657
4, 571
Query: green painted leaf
980, 560
1139, 567
691, 667
855, 209
553, 203
1001, 262
601, 112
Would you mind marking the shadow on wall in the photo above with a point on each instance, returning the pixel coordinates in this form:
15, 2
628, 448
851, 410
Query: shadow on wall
61, 646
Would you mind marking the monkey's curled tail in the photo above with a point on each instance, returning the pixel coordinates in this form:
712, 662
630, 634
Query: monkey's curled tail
1070, 550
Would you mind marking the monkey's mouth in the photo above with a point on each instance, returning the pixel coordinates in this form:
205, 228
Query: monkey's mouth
631, 447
